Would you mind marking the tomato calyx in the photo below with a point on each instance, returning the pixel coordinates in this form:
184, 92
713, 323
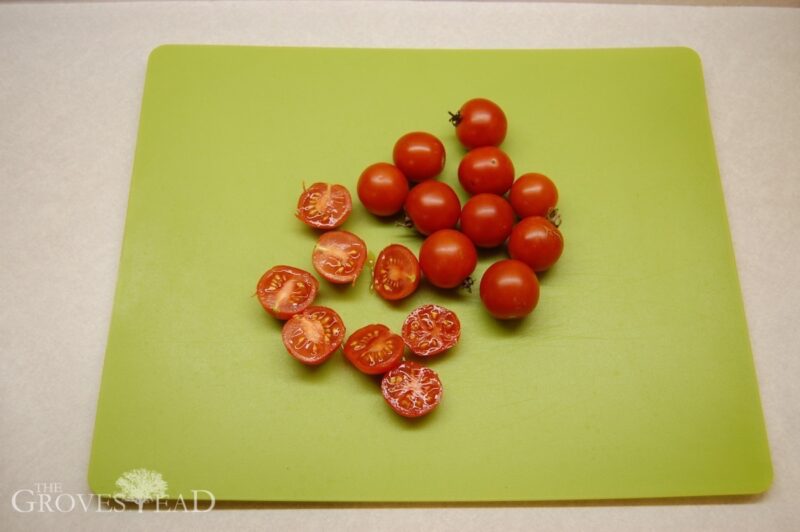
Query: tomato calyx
553, 216
455, 118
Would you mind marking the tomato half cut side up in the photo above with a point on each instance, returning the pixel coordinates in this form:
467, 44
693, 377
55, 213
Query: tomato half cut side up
396, 273
313, 335
412, 390
324, 206
284, 291
374, 349
430, 330
339, 256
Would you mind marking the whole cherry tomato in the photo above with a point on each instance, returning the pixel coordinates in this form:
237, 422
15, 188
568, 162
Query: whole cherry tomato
486, 169
284, 291
382, 188
313, 335
396, 273
480, 122
533, 195
339, 256
509, 289
324, 206
412, 390
536, 242
447, 257
374, 349
487, 220
419, 156
432, 205
430, 330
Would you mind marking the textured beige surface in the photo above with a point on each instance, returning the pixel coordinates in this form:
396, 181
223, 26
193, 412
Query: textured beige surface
70, 88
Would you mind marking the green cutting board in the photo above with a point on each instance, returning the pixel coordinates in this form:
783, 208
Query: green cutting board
633, 378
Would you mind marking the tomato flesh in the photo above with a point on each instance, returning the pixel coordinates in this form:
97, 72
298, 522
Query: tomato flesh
396, 273
284, 291
313, 335
339, 256
412, 390
430, 330
374, 349
324, 206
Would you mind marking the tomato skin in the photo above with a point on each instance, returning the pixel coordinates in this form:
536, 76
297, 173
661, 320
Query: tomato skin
412, 390
419, 156
396, 273
431, 206
324, 206
480, 122
509, 289
284, 291
536, 242
533, 195
382, 188
487, 219
486, 169
447, 258
374, 349
430, 330
313, 335
339, 256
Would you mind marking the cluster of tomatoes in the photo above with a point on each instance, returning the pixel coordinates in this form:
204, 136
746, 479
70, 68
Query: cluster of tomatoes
509, 288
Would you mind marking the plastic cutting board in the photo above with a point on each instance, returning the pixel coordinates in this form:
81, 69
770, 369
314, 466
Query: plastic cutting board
633, 378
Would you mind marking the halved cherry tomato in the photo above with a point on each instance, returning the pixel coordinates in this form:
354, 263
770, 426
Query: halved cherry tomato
533, 195
324, 206
339, 256
480, 122
536, 242
487, 220
313, 335
433, 205
396, 273
419, 156
284, 291
486, 169
374, 349
509, 289
382, 188
412, 390
447, 258
430, 330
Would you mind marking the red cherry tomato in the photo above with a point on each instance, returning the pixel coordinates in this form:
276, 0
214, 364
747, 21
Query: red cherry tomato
382, 188
536, 242
533, 195
396, 273
419, 156
324, 206
339, 256
313, 335
412, 390
486, 169
487, 220
509, 289
432, 205
430, 330
374, 349
284, 291
447, 257
480, 122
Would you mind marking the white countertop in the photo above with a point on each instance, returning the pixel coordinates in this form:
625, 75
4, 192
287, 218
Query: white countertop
71, 80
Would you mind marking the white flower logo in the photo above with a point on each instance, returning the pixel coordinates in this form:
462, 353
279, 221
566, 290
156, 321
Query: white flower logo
141, 486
